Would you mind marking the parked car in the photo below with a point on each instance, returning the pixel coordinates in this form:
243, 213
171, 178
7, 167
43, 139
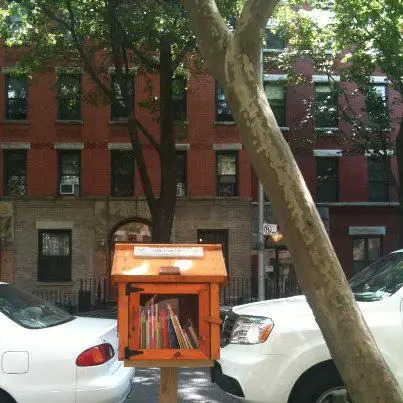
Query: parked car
274, 352
47, 355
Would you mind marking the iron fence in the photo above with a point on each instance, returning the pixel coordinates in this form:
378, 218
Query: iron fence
242, 290
91, 294
84, 295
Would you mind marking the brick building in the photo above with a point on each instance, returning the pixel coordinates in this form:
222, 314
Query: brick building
69, 187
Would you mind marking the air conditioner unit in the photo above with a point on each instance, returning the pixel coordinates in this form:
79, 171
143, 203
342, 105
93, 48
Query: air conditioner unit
180, 190
67, 189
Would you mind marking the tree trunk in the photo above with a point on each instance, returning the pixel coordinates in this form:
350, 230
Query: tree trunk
230, 58
167, 202
399, 157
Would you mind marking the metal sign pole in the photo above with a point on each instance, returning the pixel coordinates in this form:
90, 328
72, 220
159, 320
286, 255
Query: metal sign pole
260, 270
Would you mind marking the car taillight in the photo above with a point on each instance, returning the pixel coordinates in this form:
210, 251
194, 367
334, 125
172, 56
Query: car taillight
96, 355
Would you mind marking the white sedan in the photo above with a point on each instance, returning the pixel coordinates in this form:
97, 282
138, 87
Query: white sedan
47, 355
274, 352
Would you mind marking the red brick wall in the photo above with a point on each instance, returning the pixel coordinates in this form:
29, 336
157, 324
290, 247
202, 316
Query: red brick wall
202, 132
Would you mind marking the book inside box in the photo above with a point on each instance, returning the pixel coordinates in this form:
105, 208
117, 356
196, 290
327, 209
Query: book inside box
169, 321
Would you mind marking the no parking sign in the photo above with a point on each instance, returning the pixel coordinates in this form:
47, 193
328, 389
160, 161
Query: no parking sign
269, 229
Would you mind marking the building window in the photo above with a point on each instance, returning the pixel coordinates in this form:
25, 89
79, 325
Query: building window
16, 97
54, 255
118, 107
122, 166
366, 250
179, 99
273, 40
378, 180
376, 106
276, 96
69, 97
208, 236
181, 164
326, 106
15, 172
227, 173
327, 176
222, 108
69, 173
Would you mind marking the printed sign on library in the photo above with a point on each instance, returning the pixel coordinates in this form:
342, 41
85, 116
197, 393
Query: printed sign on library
168, 251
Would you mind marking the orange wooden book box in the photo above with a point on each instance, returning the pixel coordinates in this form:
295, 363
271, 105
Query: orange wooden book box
168, 307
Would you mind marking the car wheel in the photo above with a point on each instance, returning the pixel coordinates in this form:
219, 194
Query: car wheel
322, 385
5, 397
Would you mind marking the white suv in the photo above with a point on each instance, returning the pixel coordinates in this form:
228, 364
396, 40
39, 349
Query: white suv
274, 352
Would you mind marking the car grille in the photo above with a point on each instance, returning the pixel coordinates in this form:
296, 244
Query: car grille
227, 328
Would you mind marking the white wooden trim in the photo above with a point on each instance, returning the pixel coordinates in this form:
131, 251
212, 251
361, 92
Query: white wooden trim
182, 146
373, 230
17, 145
54, 224
327, 153
227, 147
120, 146
321, 78
369, 153
274, 77
379, 79
69, 146
68, 70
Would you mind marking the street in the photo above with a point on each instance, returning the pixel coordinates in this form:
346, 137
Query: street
194, 385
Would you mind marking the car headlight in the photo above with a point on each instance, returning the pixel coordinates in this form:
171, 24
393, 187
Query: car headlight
251, 329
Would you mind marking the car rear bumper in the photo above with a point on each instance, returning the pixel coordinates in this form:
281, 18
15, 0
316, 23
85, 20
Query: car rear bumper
111, 388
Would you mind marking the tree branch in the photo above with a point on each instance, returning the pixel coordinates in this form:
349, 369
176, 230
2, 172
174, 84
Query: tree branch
250, 27
212, 33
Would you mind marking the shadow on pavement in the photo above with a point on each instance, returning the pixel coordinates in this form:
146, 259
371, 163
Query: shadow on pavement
194, 385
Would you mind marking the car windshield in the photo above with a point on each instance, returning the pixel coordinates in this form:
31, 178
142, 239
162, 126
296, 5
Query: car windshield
380, 279
29, 311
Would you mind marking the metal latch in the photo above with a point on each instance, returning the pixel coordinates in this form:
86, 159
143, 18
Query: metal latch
130, 289
129, 353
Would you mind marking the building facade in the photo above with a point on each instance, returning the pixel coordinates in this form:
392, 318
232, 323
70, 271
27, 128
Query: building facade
70, 188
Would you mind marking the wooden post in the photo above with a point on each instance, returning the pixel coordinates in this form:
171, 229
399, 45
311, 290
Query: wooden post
168, 385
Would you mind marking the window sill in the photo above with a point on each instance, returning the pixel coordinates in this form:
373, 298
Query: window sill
224, 123
326, 129
54, 283
371, 129
16, 122
181, 122
276, 51
118, 122
69, 122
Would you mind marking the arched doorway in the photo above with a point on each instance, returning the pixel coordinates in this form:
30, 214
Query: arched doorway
130, 230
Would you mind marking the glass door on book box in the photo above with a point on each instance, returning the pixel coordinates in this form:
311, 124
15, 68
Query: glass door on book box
171, 317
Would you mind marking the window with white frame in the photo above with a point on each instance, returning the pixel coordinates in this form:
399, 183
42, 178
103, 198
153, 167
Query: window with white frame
326, 112
227, 173
16, 97
327, 179
69, 96
223, 113
376, 106
274, 39
181, 165
69, 172
366, 250
54, 255
378, 179
118, 106
275, 93
15, 172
